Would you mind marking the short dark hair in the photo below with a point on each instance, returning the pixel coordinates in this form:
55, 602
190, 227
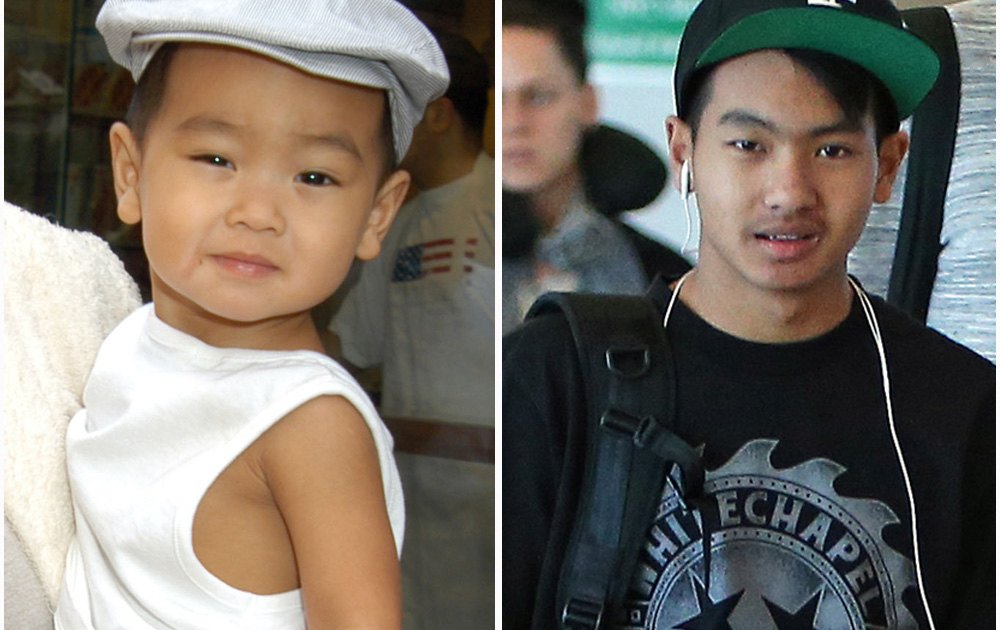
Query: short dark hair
151, 89
564, 19
855, 90
470, 79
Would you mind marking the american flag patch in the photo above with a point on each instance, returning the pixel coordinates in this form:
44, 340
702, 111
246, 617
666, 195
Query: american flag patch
439, 256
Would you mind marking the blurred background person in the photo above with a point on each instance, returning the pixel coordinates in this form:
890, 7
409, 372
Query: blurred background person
424, 313
548, 110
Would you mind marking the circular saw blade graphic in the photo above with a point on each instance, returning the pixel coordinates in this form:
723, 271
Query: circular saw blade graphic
788, 552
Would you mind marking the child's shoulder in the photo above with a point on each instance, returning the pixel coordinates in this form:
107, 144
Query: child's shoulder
323, 448
324, 422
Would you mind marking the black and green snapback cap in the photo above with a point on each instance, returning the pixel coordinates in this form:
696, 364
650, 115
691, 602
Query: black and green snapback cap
869, 33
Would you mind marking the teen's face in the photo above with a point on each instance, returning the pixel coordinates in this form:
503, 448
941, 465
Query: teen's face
783, 182
256, 185
545, 110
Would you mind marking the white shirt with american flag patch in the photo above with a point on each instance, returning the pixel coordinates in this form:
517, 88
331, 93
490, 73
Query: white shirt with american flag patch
424, 309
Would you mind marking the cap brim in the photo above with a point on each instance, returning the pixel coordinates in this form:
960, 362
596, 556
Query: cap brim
903, 62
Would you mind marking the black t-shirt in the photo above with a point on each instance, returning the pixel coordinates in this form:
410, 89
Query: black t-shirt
810, 521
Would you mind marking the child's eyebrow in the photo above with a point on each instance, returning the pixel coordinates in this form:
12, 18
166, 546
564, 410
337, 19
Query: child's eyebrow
335, 141
744, 118
207, 123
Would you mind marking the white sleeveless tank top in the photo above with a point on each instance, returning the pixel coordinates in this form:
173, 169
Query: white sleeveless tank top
164, 414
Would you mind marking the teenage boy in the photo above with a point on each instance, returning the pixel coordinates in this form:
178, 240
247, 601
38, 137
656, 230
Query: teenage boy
847, 452
224, 472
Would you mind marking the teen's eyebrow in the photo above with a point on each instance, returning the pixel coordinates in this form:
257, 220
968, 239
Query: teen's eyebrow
745, 118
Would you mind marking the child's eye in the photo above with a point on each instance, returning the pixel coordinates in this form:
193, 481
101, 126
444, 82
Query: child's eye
214, 160
312, 178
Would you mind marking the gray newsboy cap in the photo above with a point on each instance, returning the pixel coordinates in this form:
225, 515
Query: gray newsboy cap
376, 43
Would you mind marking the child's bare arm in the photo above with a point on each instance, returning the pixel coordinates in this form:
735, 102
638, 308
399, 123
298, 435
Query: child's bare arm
322, 468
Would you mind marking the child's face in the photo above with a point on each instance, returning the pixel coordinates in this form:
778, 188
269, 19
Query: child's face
256, 184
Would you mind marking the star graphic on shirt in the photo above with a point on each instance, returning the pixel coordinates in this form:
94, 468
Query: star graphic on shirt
801, 619
712, 615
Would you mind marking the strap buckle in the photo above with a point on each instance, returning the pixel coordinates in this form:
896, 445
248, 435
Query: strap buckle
582, 613
685, 474
639, 429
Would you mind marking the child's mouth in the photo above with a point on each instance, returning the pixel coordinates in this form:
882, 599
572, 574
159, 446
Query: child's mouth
247, 265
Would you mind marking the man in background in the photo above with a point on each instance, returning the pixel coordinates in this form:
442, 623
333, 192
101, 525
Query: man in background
547, 106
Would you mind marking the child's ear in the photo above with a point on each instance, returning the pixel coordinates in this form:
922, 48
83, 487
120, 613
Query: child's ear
387, 201
125, 164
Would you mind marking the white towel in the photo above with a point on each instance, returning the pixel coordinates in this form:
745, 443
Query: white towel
63, 292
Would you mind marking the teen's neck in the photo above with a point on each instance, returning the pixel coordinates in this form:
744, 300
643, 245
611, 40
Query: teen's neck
767, 316
551, 202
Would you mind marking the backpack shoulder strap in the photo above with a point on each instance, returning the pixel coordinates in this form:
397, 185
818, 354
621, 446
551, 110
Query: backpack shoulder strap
628, 380
932, 145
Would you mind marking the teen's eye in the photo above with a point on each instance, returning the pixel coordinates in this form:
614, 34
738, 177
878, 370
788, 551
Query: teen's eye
834, 151
312, 178
214, 160
746, 146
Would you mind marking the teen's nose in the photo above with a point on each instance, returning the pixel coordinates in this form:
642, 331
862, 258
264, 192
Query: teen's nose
790, 184
258, 208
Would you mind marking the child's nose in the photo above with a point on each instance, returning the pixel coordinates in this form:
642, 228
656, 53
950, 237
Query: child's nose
257, 208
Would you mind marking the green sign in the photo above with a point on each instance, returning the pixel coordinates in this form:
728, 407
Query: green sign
636, 31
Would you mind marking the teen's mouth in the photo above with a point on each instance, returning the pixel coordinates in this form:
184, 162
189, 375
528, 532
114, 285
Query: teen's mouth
787, 246
246, 265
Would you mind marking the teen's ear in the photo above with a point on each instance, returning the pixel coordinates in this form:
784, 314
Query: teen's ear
125, 164
387, 202
890, 156
680, 146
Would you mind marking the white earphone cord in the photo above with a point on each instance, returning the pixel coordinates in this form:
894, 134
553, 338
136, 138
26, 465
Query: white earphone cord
869, 312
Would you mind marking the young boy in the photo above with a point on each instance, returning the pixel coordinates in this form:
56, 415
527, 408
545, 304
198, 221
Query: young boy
837, 457
224, 472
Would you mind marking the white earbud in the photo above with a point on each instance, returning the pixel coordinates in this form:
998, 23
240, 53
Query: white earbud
685, 196
685, 178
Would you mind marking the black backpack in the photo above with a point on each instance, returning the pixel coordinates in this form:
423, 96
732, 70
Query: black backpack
631, 450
